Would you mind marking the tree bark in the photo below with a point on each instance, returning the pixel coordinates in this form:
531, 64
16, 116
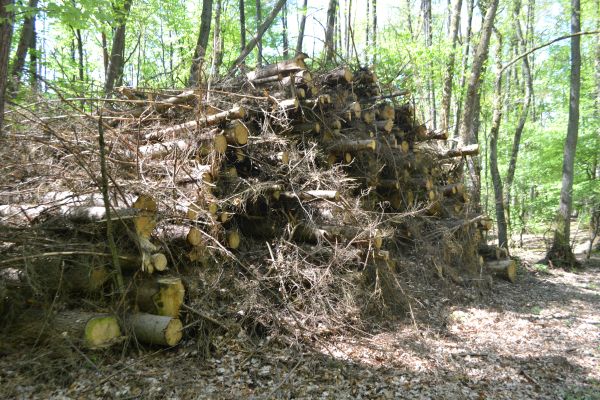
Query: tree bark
6, 30
218, 42
470, 113
496, 180
27, 31
528, 82
560, 254
115, 65
261, 31
374, 60
448, 77
301, 28
242, 25
202, 43
284, 31
329, 32
259, 54
463, 69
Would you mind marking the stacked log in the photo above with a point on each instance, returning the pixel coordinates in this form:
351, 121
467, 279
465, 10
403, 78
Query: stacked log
278, 153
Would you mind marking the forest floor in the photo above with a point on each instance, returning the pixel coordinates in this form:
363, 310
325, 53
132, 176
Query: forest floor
536, 339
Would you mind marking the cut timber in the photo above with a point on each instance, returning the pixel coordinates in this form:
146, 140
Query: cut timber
236, 133
505, 269
182, 98
94, 331
155, 329
77, 278
292, 65
307, 195
202, 121
313, 234
386, 111
368, 116
452, 189
354, 110
301, 78
352, 146
303, 128
160, 296
159, 150
340, 75
233, 239
386, 125
470, 150
287, 105
492, 252
195, 237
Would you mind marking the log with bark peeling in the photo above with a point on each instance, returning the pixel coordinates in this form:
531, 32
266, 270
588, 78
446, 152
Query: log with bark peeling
352, 146
202, 121
159, 295
470, 150
284, 67
505, 269
155, 329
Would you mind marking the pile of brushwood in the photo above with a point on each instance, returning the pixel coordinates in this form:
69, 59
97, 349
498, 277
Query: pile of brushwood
281, 202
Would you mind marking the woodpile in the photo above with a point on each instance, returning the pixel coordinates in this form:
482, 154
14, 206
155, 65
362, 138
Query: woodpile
313, 162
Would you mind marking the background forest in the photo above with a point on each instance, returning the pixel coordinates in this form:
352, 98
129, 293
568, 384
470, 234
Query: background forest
82, 49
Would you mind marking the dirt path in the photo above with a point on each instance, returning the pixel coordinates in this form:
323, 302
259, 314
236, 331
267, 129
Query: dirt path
539, 338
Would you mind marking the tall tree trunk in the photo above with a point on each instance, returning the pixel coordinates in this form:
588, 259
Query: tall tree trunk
449, 75
23, 46
80, 61
496, 180
302, 27
368, 31
560, 253
242, 25
329, 32
259, 55
284, 31
349, 30
202, 43
470, 114
6, 30
217, 42
463, 69
428, 35
261, 31
33, 64
105, 55
528, 82
374, 60
115, 65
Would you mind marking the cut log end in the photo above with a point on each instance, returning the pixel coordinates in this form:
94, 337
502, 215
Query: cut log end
505, 269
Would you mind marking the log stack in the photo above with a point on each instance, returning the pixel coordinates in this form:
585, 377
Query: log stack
281, 154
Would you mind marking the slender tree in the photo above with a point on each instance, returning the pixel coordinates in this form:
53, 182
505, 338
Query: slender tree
463, 69
242, 25
259, 48
560, 253
495, 173
27, 33
528, 83
6, 30
329, 32
302, 27
449, 74
217, 58
117, 59
374, 7
202, 43
261, 31
284, 31
428, 35
470, 118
